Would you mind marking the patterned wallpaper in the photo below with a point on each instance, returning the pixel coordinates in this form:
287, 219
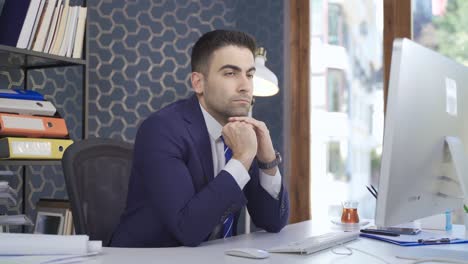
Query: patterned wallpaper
140, 57
263, 19
139, 61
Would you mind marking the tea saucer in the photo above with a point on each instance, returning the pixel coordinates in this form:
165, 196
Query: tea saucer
337, 221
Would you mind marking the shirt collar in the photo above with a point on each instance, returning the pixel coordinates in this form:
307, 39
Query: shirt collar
213, 126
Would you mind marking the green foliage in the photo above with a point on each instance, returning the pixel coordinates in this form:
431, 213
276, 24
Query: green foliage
452, 31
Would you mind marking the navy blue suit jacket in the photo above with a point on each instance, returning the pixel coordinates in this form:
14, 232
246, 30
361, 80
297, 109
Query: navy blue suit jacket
174, 198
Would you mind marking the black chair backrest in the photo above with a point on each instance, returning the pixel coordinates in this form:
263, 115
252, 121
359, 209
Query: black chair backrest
96, 174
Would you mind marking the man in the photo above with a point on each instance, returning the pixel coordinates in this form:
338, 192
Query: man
185, 186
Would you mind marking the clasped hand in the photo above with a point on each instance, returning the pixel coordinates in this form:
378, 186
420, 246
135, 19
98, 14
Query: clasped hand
247, 138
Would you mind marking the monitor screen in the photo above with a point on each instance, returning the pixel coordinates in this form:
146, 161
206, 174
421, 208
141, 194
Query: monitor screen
427, 102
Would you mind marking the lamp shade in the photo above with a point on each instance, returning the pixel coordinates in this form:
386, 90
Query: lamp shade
265, 82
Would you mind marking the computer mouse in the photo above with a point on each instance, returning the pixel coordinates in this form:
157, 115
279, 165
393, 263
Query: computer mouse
248, 253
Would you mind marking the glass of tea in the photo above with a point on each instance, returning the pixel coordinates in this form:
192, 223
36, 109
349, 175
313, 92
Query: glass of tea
350, 214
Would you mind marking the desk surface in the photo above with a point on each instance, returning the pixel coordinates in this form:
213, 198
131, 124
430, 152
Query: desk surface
213, 251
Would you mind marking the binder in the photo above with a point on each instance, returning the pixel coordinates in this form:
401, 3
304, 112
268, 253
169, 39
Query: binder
21, 94
32, 126
33, 148
27, 107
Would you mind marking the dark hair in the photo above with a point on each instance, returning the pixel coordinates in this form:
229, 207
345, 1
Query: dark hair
216, 39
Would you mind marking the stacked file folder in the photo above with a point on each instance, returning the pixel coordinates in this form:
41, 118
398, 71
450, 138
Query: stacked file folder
30, 127
8, 196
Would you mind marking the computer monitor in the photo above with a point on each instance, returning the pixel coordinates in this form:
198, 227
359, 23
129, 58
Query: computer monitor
427, 107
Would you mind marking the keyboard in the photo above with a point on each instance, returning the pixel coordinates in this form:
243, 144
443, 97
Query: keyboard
316, 243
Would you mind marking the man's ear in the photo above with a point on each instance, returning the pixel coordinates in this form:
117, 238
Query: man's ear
197, 82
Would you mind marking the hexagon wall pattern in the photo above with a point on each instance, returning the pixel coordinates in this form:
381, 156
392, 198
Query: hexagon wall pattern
139, 61
140, 57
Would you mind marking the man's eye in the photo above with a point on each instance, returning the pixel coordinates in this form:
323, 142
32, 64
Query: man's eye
250, 76
230, 73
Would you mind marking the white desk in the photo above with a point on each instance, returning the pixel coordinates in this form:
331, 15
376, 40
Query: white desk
213, 251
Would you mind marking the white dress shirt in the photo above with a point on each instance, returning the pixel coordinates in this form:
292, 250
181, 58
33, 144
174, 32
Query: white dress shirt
271, 184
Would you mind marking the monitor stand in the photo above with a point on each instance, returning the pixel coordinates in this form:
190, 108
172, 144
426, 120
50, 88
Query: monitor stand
459, 160
454, 154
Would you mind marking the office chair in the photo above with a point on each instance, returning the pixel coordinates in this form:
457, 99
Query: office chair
96, 174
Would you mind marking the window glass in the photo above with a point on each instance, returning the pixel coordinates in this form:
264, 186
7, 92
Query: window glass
346, 102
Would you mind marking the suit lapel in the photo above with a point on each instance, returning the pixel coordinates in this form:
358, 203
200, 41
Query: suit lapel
197, 129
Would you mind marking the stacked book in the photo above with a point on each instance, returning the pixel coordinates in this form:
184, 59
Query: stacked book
55, 27
29, 127
8, 197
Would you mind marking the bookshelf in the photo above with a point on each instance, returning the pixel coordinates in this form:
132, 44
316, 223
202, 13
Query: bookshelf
26, 60
14, 58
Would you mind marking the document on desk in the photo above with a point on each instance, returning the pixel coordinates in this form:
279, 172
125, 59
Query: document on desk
12, 244
421, 239
57, 259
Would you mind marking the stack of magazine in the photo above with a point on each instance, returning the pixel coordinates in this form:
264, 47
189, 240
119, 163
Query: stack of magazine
8, 197
30, 127
55, 27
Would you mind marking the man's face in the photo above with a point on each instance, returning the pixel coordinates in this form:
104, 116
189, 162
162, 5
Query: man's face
226, 90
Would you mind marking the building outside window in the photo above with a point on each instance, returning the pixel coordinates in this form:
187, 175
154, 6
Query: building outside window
346, 102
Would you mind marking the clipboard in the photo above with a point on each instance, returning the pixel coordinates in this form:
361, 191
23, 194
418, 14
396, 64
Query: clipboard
424, 238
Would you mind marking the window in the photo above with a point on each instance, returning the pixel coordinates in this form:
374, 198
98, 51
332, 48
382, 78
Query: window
336, 161
346, 102
337, 91
335, 24
441, 25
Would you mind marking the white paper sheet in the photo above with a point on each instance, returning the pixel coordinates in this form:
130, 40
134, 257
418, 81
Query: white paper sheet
38, 244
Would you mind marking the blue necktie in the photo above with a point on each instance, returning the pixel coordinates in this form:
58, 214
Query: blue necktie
228, 223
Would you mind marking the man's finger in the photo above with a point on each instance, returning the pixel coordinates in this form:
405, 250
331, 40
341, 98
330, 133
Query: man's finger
246, 119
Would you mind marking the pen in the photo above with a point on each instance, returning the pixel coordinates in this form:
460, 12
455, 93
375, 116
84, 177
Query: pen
373, 194
444, 240
379, 232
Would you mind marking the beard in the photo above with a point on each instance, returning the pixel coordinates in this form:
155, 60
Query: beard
222, 111
232, 112
223, 106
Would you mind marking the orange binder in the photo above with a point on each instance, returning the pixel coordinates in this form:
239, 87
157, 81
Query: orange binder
32, 126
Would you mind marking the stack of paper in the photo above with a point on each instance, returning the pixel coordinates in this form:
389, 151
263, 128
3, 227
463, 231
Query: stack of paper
15, 220
7, 194
33, 244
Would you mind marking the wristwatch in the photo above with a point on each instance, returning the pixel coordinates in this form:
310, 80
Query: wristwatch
269, 165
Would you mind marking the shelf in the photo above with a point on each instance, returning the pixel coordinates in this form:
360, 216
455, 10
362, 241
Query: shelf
11, 57
29, 162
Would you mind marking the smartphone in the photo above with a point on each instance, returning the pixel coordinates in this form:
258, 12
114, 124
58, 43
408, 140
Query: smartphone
397, 230
378, 232
403, 230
